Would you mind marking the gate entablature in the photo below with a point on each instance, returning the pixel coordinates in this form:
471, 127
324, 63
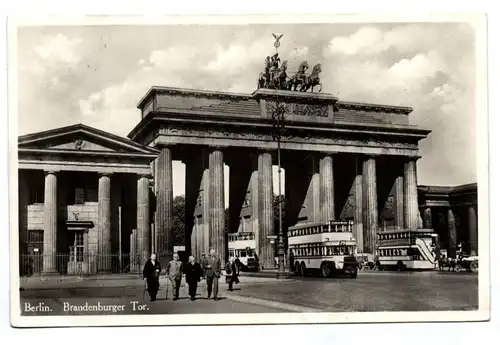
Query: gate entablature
314, 122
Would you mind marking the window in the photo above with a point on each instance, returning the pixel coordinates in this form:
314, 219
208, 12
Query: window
35, 236
79, 196
78, 247
37, 194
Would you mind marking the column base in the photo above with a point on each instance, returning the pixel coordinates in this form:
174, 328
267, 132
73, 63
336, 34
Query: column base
282, 275
50, 273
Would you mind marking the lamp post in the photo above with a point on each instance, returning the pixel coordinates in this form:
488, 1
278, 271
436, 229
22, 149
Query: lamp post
278, 115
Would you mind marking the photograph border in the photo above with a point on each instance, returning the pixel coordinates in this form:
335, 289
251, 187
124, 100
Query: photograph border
477, 20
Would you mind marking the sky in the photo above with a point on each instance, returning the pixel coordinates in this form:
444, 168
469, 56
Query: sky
97, 74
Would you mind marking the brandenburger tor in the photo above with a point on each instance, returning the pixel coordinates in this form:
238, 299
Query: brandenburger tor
342, 160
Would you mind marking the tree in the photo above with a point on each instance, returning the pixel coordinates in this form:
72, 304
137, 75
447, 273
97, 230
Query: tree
179, 218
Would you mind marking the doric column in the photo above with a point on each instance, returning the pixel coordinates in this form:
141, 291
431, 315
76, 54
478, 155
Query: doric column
164, 203
143, 246
472, 217
205, 201
428, 218
412, 216
399, 215
358, 211
327, 201
50, 224
370, 216
314, 192
266, 216
217, 216
23, 213
104, 222
452, 235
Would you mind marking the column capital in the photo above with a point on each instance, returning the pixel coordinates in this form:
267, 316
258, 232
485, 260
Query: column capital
144, 175
328, 154
51, 172
365, 156
411, 158
159, 146
270, 151
217, 147
105, 174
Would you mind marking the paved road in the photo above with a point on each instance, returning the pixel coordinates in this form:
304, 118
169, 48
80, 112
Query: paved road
377, 291
59, 301
384, 291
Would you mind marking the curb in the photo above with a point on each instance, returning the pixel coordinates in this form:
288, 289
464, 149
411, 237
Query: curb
273, 304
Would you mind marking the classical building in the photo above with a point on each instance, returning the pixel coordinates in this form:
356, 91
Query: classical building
452, 213
342, 160
84, 196
92, 202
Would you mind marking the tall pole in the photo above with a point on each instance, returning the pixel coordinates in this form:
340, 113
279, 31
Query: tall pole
120, 237
281, 249
278, 123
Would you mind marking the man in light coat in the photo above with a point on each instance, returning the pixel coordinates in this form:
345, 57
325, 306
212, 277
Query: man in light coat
174, 274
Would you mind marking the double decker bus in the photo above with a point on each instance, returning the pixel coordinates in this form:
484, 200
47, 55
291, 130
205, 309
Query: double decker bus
328, 247
242, 245
407, 249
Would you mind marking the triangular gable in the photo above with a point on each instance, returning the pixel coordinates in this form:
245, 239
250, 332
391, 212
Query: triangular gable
80, 137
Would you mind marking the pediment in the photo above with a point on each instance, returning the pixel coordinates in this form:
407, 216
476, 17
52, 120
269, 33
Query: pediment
80, 138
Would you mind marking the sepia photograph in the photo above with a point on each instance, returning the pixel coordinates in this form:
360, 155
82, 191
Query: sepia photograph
230, 170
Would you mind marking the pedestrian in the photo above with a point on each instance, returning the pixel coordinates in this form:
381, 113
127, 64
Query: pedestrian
151, 275
238, 262
212, 270
193, 276
174, 274
292, 260
232, 272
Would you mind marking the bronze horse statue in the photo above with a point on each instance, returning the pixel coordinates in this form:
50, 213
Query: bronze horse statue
312, 80
299, 78
265, 77
279, 77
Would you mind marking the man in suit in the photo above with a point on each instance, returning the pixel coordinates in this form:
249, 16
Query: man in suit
193, 276
174, 274
212, 270
151, 275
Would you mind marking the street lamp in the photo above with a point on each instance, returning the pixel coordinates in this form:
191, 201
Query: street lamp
278, 115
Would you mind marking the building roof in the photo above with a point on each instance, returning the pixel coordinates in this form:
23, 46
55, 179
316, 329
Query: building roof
59, 138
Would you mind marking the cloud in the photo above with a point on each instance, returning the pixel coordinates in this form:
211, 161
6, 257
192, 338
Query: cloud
219, 68
415, 66
299, 52
429, 67
59, 49
53, 52
367, 40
